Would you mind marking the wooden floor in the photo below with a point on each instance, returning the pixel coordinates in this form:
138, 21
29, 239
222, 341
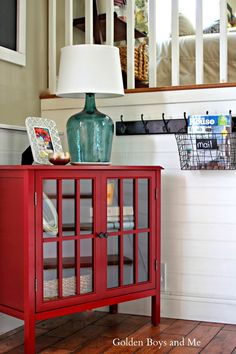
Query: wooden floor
95, 332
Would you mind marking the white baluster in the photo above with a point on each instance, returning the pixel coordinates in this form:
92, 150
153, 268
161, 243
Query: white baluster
223, 42
175, 43
152, 42
68, 22
109, 22
130, 44
89, 21
52, 63
199, 43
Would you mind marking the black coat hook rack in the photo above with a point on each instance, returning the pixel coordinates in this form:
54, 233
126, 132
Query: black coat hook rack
160, 126
156, 126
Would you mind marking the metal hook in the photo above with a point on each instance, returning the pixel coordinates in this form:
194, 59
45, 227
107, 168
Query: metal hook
165, 128
145, 123
232, 121
123, 126
186, 121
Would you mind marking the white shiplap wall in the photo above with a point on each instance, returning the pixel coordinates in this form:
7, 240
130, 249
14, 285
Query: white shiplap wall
198, 207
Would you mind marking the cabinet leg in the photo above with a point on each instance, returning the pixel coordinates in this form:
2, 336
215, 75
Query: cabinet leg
113, 309
155, 310
29, 337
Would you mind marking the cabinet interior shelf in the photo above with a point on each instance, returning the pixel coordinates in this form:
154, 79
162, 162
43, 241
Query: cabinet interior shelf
85, 262
70, 196
83, 227
71, 228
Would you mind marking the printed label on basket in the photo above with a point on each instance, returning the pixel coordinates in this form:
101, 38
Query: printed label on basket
206, 144
202, 124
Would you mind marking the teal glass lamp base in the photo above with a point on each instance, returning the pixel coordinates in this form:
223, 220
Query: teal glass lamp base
90, 134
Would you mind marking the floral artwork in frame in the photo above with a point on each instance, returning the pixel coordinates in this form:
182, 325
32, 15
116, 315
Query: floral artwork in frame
44, 138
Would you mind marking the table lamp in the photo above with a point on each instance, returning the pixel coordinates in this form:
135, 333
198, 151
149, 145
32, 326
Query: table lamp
91, 70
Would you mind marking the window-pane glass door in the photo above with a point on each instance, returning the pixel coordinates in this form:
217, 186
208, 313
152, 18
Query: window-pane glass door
67, 237
94, 235
128, 230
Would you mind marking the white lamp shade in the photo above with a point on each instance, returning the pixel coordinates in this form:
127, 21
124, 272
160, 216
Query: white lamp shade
90, 68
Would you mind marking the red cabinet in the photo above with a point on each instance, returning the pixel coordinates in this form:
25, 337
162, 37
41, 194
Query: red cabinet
74, 238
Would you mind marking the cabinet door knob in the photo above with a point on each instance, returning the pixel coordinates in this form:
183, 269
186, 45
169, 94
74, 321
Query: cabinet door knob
102, 235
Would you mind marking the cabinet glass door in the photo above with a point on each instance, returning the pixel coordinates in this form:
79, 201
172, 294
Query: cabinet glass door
67, 238
128, 230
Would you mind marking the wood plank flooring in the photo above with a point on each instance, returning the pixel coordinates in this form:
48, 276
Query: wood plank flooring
96, 332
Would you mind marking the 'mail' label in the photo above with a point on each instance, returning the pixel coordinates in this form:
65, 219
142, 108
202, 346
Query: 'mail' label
208, 144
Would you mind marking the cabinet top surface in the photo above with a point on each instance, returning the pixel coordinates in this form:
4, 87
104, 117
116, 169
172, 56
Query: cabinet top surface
79, 167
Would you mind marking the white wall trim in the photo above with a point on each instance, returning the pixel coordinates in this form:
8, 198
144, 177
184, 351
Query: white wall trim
17, 56
8, 323
187, 307
198, 308
12, 127
147, 98
209, 298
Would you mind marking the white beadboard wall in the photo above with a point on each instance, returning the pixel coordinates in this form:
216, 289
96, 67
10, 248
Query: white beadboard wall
198, 207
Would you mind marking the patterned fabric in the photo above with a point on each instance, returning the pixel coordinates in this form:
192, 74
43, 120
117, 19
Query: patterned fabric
141, 15
119, 2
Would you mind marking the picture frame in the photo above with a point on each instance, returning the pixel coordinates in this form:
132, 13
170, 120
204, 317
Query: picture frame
44, 138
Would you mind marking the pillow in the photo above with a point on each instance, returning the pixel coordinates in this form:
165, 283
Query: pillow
185, 26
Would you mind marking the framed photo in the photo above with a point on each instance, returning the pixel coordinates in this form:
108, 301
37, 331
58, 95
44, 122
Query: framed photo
44, 138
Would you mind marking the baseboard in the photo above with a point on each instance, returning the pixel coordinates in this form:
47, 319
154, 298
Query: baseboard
187, 307
8, 323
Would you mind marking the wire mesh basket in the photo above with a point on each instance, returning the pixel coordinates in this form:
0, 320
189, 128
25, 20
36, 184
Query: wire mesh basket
207, 151
68, 286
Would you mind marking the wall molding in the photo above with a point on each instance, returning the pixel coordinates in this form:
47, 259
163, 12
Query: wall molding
186, 306
147, 98
8, 323
12, 127
208, 298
